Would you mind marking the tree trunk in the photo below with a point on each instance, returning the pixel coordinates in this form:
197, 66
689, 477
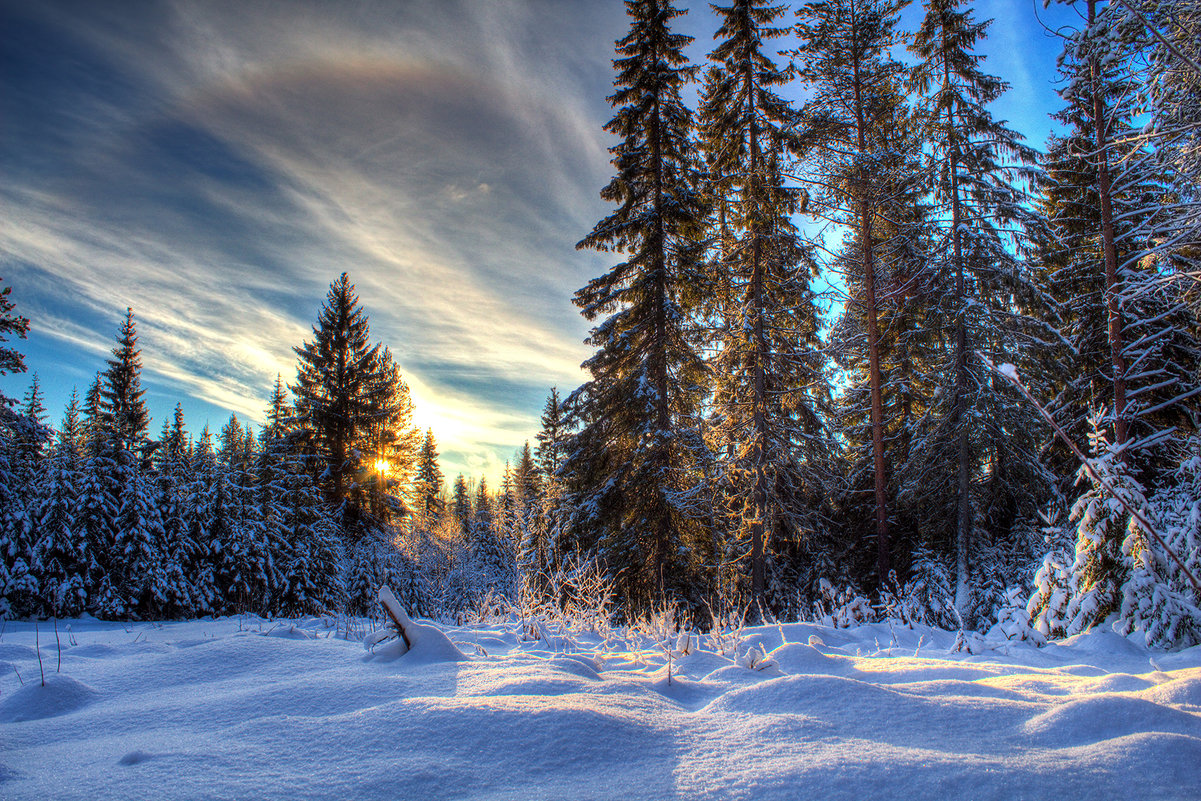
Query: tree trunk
875, 377
759, 378
963, 518
659, 366
1108, 239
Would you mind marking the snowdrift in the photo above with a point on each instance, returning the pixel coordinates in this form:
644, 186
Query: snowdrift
246, 708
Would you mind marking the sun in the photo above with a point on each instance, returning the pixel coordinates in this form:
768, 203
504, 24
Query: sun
382, 466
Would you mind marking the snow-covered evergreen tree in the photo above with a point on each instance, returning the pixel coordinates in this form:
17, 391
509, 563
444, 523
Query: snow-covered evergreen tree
173, 477
848, 139
632, 469
352, 407
427, 482
976, 164
460, 504
61, 556
767, 371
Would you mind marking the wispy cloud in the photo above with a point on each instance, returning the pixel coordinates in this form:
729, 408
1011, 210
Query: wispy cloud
235, 157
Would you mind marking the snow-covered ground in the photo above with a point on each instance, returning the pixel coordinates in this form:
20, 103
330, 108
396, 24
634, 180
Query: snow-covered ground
246, 709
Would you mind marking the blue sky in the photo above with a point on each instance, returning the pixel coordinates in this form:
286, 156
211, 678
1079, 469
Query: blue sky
215, 165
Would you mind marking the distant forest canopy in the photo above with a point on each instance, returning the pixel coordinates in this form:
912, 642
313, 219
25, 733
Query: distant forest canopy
732, 448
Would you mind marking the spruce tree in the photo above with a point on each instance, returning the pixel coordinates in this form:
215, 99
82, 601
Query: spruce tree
23, 437
844, 136
549, 457
769, 386
204, 532
122, 397
427, 483
551, 437
393, 440
173, 477
14, 520
60, 557
632, 463
460, 503
126, 529
11, 324
347, 397
976, 165
492, 559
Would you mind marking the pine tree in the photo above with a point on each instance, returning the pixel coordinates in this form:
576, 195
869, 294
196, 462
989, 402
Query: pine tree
552, 436
530, 530
1135, 317
15, 524
1098, 573
18, 585
173, 478
347, 397
978, 205
122, 397
460, 503
61, 557
204, 531
23, 437
491, 555
32, 434
427, 483
11, 324
769, 384
395, 442
549, 456
845, 137
125, 528
632, 463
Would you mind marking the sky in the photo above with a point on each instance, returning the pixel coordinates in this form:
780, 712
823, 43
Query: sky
215, 165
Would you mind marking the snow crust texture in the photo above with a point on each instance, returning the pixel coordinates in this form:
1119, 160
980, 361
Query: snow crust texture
245, 708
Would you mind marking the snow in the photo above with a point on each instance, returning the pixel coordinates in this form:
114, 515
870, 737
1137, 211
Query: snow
247, 708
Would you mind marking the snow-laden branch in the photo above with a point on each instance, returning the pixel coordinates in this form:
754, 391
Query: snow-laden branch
1010, 373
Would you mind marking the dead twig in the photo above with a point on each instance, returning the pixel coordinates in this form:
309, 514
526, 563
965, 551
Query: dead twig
37, 645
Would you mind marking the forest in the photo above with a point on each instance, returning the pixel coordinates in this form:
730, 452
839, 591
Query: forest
839, 364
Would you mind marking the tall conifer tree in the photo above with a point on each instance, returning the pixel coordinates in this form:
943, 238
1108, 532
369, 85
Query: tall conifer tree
976, 166
633, 461
348, 397
844, 56
427, 483
769, 383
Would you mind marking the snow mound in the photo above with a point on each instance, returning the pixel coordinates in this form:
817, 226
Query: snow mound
62, 695
418, 643
10, 652
1112, 683
578, 665
800, 692
1183, 692
428, 646
1106, 717
798, 658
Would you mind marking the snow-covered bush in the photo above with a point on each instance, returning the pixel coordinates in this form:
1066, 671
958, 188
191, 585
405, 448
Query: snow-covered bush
1013, 617
928, 597
1157, 597
1120, 571
843, 608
